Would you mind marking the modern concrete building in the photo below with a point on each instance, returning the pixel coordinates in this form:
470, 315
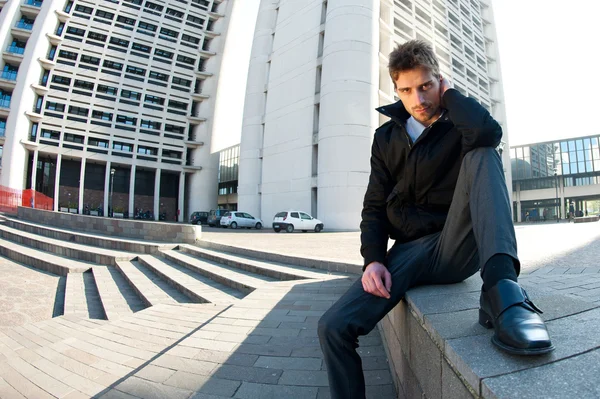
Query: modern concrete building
318, 71
548, 177
109, 104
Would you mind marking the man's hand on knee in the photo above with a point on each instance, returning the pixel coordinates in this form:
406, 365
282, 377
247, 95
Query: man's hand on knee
377, 280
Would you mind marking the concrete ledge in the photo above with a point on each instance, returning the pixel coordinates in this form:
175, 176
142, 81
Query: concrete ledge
94, 240
586, 219
137, 229
331, 266
437, 349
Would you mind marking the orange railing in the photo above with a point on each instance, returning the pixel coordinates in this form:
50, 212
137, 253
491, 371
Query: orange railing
11, 198
34, 199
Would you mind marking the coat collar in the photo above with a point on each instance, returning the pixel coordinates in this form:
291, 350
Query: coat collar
399, 114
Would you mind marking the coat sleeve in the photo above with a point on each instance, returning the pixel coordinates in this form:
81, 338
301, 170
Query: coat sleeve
474, 122
373, 227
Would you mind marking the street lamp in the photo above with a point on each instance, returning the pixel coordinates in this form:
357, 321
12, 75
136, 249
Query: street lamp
112, 184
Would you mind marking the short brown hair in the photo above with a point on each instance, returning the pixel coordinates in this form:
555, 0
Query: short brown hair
411, 55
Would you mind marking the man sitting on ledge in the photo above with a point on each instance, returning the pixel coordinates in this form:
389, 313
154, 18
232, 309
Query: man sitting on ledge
437, 188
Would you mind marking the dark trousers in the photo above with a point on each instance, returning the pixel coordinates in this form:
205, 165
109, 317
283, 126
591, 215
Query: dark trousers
479, 226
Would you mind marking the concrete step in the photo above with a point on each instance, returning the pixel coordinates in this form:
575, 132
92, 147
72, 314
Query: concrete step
241, 280
67, 249
95, 240
197, 287
149, 286
82, 298
279, 271
118, 298
42, 260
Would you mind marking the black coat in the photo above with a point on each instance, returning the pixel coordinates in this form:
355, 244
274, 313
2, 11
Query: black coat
411, 184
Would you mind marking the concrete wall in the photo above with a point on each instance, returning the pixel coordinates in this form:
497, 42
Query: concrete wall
139, 230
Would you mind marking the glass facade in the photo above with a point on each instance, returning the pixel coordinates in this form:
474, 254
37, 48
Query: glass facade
229, 160
564, 158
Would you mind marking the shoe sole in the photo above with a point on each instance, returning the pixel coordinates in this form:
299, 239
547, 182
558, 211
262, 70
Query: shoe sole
486, 321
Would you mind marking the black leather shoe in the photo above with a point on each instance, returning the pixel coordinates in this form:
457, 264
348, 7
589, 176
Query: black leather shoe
519, 329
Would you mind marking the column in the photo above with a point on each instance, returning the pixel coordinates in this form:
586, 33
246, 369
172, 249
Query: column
156, 194
57, 181
181, 217
561, 190
342, 128
132, 193
81, 184
250, 174
518, 202
106, 188
34, 169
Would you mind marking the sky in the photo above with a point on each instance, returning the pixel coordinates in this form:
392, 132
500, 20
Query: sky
548, 55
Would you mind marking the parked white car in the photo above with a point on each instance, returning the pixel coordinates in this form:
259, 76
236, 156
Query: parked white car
296, 220
240, 219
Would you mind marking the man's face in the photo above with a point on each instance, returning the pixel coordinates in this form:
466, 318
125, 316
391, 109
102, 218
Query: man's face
419, 91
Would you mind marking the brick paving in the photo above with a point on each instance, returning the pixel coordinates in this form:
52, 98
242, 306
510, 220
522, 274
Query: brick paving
263, 346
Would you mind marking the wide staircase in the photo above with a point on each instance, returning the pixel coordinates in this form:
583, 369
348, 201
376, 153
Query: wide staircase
144, 319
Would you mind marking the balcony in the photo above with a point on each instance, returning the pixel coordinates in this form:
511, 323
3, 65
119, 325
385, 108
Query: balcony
196, 119
34, 116
4, 107
62, 16
192, 167
40, 90
200, 96
8, 80
192, 143
31, 7
46, 63
54, 39
203, 74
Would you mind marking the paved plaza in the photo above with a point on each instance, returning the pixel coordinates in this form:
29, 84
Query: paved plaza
259, 344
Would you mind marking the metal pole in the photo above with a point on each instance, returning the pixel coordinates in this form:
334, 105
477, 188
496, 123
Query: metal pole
557, 199
112, 183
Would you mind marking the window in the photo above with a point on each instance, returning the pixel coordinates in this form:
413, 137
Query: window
97, 142
60, 28
148, 124
159, 76
168, 32
67, 54
105, 14
186, 60
127, 120
174, 129
136, 70
75, 31
171, 154
78, 111
147, 26
73, 138
163, 53
119, 42
140, 47
130, 94
190, 39
147, 150
181, 81
52, 106
123, 146
174, 13
136, 2
107, 89
97, 36
105, 116
88, 59
195, 20
82, 84
125, 20
153, 6
113, 65
50, 134
178, 104
84, 9
61, 80
154, 99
